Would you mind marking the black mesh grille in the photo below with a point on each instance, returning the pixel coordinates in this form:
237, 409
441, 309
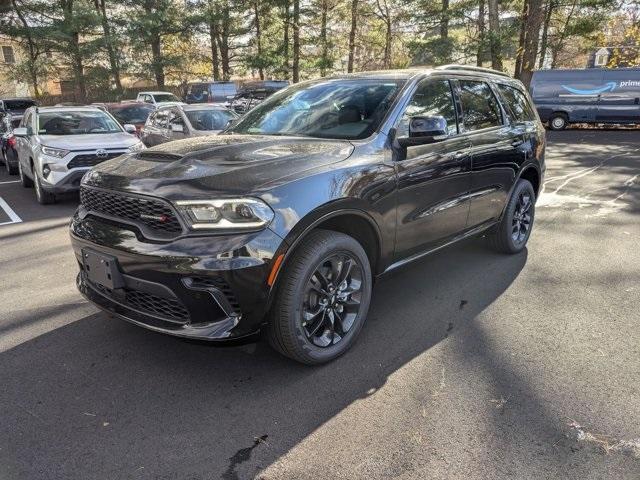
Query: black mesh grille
170, 309
220, 284
164, 307
156, 215
90, 160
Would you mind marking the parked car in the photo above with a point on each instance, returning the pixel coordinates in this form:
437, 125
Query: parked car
57, 145
183, 121
591, 95
133, 113
8, 153
283, 221
210, 92
157, 98
15, 107
254, 93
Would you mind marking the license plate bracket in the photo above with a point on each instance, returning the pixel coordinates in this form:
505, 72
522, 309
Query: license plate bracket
102, 269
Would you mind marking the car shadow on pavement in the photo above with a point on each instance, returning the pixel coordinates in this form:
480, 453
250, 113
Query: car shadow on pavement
100, 398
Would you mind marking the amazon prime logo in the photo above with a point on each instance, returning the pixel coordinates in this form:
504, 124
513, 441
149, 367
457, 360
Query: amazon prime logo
608, 87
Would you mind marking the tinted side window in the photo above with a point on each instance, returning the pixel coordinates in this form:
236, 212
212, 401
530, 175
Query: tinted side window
432, 97
161, 119
479, 106
26, 120
518, 103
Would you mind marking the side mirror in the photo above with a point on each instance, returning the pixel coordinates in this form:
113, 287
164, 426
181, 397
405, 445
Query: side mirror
20, 132
177, 127
423, 130
129, 128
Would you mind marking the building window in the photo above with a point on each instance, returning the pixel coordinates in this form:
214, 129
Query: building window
7, 54
602, 57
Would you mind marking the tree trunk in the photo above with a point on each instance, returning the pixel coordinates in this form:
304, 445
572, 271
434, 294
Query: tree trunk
215, 61
78, 68
444, 20
481, 34
285, 38
156, 52
530, 51
387, 43
544, 42
223, 42
256, 11
495, 46
108, 40
352, 35
324, 58
521, 40
31, 47
296, 41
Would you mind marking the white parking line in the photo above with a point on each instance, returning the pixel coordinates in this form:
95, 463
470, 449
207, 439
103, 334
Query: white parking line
10, 213
10, 181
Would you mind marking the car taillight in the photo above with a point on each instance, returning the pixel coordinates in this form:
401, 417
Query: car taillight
11, 141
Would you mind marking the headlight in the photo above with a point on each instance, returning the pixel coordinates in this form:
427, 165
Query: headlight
136, 147
55, 152
228, 214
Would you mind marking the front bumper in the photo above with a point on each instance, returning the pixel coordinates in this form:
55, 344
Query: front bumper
200, 287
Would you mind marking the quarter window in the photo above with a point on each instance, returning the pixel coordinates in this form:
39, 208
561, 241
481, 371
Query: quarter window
432, 98
479, 105
518, 103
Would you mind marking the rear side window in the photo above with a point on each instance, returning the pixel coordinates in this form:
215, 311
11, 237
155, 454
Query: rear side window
432, 97
517, 103
479, 105
161, 119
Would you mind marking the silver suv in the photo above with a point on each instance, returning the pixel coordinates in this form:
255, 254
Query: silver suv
57, 145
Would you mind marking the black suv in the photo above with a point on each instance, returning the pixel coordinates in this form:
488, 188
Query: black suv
283, 222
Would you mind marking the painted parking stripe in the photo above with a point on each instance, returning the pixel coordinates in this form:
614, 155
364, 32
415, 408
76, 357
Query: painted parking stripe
10, 213
10, 181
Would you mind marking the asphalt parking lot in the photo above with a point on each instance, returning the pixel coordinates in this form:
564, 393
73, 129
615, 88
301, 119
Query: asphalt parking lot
471, 365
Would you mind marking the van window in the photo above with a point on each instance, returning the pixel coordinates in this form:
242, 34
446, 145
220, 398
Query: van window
479, 105
432, 97
518, 103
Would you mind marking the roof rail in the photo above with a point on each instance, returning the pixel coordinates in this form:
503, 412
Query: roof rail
471, 68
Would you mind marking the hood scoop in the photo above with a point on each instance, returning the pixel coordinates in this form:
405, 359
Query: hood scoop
158, 156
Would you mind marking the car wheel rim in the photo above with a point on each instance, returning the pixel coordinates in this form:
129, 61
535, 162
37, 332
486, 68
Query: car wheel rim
521, 223
558, 122
332, 300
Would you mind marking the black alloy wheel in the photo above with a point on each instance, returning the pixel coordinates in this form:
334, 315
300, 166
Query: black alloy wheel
521, 223
322, 297
332, 300
512, 233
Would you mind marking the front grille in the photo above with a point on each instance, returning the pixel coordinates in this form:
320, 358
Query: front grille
153, 214
90, 159
167, 308
219, 284
163, 307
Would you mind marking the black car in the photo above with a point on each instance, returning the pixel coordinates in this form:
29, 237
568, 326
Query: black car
254, 93
16, 108
283, 222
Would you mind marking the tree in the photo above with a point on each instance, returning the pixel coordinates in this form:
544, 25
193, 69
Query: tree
109, 42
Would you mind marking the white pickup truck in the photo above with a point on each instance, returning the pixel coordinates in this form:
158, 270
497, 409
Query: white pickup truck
157, 98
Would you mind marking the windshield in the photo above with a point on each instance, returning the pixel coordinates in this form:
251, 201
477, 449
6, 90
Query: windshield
18, 104
131, 114
209, 119
76, 123
342, 109
165, 97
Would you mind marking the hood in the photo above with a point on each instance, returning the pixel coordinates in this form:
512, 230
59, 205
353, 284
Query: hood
217, 165
89, 141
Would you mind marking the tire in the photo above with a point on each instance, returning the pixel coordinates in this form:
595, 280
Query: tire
24, 180
43, 197
11, 169
518, 216
323, 255
558, 121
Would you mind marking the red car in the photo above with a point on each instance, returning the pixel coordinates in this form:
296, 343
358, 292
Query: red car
135, 113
